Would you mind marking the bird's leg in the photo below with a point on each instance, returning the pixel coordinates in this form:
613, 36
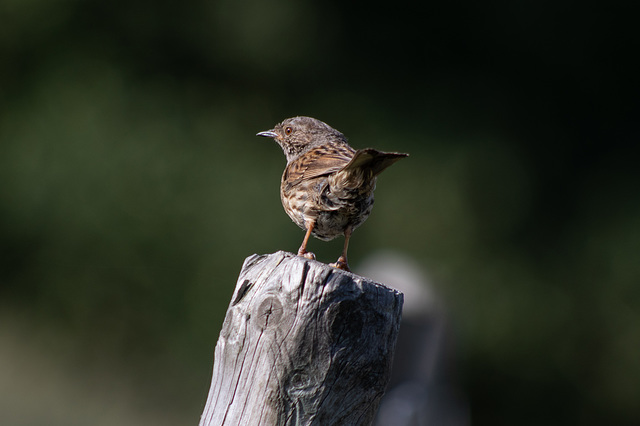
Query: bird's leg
341, 263
302, 251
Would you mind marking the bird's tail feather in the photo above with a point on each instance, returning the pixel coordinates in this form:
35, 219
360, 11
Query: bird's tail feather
373, 159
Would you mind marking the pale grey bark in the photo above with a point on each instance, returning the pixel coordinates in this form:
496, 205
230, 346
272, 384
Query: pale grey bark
302, 343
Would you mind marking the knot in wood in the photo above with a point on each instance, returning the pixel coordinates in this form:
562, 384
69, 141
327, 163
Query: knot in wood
268, 313
299, 384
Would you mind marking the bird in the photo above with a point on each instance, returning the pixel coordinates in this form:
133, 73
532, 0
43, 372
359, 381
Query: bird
327, 186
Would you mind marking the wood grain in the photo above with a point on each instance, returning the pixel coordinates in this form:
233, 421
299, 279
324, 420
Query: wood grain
302, 343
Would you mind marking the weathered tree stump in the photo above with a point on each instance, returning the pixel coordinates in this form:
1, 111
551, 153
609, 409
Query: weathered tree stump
302, 343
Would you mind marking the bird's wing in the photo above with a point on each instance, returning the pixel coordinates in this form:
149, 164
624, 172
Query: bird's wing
320, 161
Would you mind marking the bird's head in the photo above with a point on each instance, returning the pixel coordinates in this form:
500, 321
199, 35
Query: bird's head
299, 134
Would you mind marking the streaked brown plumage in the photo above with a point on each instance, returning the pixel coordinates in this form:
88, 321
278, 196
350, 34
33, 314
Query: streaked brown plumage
327, 186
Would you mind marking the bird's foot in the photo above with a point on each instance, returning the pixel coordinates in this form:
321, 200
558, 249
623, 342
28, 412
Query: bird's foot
341, 263
306, 254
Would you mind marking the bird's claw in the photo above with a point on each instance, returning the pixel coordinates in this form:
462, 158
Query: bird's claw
307, 254
341, 263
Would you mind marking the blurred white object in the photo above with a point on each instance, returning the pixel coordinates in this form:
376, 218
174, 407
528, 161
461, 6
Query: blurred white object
422, 390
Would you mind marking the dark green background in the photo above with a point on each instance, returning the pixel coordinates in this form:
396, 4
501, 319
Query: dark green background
133, 187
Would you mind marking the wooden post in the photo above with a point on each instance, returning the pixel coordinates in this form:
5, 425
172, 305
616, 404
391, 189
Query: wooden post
302, 343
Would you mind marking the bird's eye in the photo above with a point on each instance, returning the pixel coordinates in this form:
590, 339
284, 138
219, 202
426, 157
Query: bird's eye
288, 130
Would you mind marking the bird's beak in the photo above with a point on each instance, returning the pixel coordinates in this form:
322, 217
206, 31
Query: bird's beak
267, 134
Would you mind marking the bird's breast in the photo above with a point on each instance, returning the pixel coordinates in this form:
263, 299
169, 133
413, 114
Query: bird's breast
331, 206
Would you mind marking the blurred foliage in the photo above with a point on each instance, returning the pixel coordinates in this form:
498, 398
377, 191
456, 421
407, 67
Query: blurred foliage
133, 186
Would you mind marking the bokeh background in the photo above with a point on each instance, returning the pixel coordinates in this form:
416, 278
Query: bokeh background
132, 187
